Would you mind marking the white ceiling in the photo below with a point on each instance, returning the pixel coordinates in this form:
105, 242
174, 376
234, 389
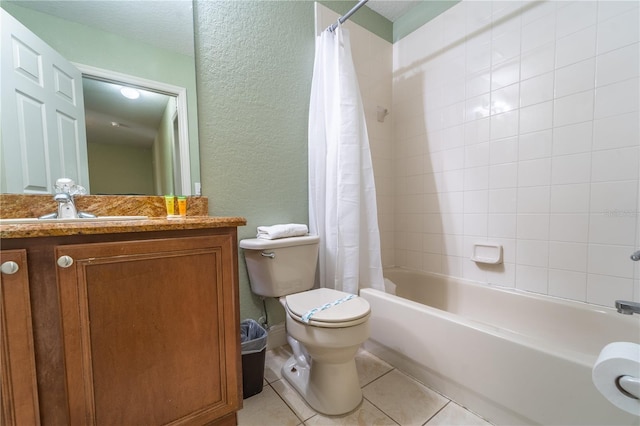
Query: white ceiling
113, 119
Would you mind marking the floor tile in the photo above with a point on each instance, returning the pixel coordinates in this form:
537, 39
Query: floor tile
274, 359
366, 414
370, 367
266, 409
453, 414
391, 398
293, 399
403, 399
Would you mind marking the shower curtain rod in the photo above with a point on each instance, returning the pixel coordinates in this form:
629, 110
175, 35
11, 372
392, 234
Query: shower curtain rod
347, 15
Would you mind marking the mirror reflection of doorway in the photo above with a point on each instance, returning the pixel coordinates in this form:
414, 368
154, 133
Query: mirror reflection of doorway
130, 138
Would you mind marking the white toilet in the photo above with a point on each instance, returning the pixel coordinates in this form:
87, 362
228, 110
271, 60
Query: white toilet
322, 368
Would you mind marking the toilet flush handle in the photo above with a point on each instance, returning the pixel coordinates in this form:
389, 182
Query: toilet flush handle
271, 254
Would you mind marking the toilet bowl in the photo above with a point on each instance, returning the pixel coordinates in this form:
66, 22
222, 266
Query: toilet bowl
325, 327
329, 384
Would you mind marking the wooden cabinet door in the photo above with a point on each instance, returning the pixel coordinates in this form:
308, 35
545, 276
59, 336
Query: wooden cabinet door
18, 369
150, 330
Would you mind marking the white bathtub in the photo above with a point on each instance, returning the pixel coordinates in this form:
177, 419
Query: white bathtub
512, 357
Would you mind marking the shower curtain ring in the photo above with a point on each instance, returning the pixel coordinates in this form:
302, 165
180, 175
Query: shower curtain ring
332, 28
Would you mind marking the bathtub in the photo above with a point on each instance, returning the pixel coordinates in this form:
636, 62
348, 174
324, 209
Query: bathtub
512, 357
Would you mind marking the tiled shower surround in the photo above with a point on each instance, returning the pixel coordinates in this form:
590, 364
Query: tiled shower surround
515, 123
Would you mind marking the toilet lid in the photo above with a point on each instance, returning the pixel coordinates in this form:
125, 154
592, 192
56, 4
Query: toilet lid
299, 304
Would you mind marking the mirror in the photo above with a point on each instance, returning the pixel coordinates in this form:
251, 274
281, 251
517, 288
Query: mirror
135, 144
147, 45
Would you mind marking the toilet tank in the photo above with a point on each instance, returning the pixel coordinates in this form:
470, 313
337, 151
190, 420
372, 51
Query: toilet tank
283, 266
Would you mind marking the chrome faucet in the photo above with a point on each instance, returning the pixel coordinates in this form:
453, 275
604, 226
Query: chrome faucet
66, 189
66, 206
627, 308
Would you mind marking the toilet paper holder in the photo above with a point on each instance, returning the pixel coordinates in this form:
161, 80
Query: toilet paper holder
629, 386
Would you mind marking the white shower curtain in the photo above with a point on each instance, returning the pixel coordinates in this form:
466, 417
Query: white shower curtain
342, 194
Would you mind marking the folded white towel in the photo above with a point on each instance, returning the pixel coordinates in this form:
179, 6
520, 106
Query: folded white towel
282, 231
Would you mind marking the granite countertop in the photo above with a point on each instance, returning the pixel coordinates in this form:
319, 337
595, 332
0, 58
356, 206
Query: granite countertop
49, 229
32, 206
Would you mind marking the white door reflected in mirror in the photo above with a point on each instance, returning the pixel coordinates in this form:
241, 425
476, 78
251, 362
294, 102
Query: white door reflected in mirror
42, 121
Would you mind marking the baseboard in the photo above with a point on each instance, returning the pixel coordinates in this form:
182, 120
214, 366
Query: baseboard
276, 336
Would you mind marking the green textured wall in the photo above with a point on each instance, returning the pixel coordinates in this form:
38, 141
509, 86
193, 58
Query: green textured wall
253, 65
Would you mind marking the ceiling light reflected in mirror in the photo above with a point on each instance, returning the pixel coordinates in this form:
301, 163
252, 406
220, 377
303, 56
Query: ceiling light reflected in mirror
130, 93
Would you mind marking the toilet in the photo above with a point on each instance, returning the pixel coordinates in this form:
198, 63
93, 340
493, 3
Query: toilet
325, 327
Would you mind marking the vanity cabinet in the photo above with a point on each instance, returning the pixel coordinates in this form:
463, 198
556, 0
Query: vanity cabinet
18, 372
135, 328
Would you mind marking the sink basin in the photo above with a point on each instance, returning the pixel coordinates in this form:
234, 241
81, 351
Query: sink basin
78, 219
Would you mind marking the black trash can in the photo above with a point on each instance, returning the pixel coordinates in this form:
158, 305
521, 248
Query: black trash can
253, 342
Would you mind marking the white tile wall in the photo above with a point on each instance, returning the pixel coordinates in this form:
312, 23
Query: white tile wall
514, 122
517, 122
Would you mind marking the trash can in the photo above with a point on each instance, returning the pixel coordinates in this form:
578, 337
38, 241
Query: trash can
253, 342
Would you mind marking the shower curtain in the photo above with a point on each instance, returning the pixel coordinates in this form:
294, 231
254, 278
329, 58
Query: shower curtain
342, 194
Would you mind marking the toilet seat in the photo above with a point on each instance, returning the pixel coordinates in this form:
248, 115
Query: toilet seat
346, 314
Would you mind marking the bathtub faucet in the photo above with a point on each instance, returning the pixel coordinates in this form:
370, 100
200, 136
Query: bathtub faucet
627, 308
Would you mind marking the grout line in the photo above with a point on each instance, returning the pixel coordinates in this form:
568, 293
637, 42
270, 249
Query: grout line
437, 412
371, 402
381, 410
380, 376
289, 406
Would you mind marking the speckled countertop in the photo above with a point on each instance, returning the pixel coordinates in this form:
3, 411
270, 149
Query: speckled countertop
32, 206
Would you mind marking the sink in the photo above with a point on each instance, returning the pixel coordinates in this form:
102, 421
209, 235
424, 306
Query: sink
77, 219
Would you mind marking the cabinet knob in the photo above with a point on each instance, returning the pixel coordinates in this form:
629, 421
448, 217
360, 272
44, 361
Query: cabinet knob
65, 261
9, 267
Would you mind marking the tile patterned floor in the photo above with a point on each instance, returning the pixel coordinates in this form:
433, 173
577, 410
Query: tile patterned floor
390, 398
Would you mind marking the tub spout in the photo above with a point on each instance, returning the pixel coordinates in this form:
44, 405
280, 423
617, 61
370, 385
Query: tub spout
627, 308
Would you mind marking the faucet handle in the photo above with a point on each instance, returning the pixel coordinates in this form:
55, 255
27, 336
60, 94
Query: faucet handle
635, 256
68, 186
64, 185
78, 190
